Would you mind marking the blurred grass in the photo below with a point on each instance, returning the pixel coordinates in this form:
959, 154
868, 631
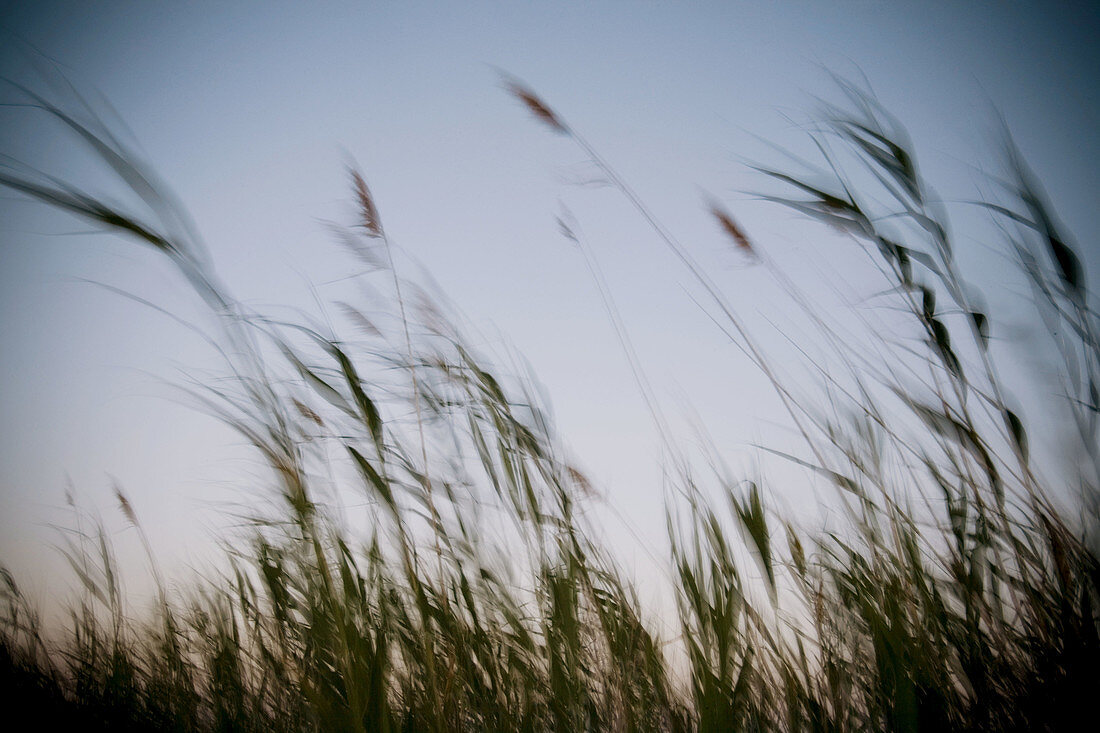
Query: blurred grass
955, 596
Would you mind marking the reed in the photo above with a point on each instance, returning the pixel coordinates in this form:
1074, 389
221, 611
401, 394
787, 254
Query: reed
956, 596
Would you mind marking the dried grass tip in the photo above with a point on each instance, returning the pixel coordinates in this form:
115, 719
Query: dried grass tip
730, 227
537, 107
371, 222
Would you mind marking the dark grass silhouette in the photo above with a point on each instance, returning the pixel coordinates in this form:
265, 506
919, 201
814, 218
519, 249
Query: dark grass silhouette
957, 596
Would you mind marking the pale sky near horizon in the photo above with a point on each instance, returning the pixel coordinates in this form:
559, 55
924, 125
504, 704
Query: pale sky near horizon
251, 110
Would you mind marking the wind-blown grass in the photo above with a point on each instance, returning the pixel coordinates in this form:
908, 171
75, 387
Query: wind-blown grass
956, 596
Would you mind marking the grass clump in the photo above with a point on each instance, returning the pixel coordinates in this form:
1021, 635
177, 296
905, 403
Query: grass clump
954, 595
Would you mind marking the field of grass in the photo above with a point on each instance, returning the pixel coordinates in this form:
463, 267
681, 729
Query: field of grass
955, 595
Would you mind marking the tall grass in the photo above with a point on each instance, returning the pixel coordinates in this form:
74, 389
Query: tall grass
956, 595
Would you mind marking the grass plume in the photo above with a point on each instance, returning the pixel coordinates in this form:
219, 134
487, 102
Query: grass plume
477, 596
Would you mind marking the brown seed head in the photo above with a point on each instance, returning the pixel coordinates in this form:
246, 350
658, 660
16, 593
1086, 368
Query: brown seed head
581, 481
307, 413
730, 227
536, 106
124, 505
371, 222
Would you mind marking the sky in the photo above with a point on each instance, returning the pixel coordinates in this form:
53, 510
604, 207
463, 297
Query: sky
251, 112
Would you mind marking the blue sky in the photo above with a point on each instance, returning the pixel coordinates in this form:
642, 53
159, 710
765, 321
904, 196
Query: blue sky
251, 110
